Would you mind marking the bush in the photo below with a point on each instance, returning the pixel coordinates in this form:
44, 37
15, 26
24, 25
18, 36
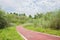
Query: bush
55, 21
3, 21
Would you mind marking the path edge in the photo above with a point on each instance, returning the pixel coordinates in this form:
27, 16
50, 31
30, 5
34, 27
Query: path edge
44, 33
22, 36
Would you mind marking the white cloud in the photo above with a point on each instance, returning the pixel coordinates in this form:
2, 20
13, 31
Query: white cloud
30, 6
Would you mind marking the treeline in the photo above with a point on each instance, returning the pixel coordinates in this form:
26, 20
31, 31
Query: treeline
45, 20
8, 19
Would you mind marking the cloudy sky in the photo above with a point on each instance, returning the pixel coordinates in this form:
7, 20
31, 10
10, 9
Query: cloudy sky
29, 6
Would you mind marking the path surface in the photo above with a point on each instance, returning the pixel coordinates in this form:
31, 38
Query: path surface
31, 35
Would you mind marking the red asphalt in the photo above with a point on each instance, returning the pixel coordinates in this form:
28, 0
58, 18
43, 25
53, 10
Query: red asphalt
31, 35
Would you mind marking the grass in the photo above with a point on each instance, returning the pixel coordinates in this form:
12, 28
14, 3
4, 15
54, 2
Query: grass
44, 30
9, 33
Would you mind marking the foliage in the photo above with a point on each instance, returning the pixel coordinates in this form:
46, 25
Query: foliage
55, 22
3, 21
30, 16
38, 15
48, 20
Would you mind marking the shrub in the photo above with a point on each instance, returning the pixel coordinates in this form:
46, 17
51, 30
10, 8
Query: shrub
55, 21
3, 21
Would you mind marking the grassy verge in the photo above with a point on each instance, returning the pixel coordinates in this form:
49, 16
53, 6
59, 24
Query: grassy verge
9, 33
44, 30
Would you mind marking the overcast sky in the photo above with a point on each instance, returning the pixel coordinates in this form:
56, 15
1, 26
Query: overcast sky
29, 6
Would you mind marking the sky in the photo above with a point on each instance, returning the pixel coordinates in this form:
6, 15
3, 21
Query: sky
29, 7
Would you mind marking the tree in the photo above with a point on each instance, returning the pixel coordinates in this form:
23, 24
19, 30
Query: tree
35, 16
38, 15
30, 16
3, 21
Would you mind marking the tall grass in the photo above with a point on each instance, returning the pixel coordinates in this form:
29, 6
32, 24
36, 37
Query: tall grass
47, 23
43, 30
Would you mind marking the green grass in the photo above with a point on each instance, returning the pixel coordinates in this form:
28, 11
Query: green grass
43, 30
9, 33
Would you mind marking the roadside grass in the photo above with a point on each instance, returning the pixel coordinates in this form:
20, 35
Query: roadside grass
43, 30
9, 33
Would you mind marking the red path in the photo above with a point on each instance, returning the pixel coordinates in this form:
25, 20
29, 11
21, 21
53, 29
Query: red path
31, 35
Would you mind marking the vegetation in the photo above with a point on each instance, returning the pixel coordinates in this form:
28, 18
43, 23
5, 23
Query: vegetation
8, 23
43, 30
3, 21
9, 33
47, 23
44, 22
48, 20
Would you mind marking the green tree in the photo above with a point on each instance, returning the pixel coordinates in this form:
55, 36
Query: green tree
30, 16
3, 21
38, 15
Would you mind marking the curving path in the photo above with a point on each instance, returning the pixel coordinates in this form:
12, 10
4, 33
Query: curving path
31, 35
